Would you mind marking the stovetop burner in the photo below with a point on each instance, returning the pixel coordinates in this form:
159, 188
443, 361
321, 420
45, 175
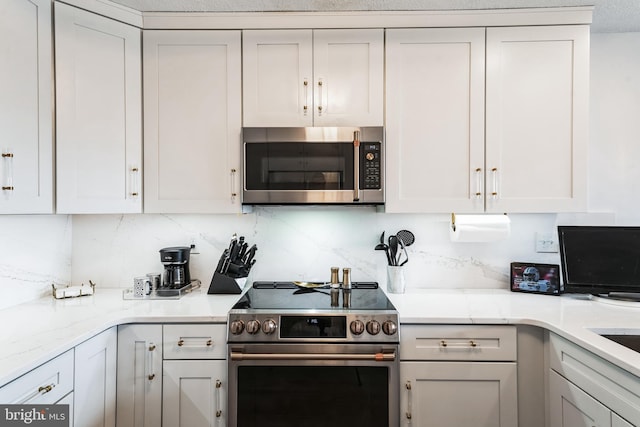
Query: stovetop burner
288, 296
279, 312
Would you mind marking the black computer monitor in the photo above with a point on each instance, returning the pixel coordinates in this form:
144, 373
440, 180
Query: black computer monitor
600, 260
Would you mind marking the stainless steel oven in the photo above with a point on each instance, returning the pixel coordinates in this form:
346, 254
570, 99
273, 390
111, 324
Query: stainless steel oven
313, 165
322, 366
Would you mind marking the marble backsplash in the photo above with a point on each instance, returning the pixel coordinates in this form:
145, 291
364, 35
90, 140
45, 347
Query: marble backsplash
35, 251
301, 243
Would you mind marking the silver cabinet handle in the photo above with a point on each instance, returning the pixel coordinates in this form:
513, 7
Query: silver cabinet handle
7, 156
478, 183
218, 399
208, 341
150, 371
459, 345
320, 104
234, 192
135, 181
494, 179
408, 415
44, 389
305, 85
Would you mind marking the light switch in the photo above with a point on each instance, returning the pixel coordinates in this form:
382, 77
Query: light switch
546, 242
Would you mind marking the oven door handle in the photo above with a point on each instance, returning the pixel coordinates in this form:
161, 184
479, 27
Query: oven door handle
377, 357
356, 166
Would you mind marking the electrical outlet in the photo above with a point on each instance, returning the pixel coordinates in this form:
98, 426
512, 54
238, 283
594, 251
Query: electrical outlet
194, 247
546, 242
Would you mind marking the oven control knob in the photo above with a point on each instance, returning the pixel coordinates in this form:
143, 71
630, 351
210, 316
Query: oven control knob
269, 326
236, 326
373, 327
356, 327
389, 327
253, 326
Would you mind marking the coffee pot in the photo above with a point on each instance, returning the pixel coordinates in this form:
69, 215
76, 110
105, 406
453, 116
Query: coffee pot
176, 266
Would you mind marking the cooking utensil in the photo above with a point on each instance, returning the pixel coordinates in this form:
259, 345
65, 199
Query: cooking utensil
406, 255
311, 285
393, 249
406, 236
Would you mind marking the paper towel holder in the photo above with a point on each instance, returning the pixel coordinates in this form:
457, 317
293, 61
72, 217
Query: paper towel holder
453, 220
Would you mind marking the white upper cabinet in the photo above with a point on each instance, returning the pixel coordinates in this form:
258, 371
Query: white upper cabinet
192, 121
297, 78
435, 120
26, 110
508, 135
537, 118
98, 113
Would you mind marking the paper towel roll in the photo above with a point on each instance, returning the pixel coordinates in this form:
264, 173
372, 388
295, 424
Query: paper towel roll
479, 228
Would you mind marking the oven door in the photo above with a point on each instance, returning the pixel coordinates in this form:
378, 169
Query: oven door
313, 385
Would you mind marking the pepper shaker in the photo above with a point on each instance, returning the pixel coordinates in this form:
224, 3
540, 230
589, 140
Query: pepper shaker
346, 287
335, 287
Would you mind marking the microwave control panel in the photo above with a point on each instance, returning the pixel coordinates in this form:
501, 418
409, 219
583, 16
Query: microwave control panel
371, 166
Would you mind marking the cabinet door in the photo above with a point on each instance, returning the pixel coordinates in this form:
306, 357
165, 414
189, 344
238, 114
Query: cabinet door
98, 113
26, 116
348, 77
277, 78
192, 121
436, 394
537, 118
95, 381
435, 120
194, 393
139, 385
569, 406
616, 421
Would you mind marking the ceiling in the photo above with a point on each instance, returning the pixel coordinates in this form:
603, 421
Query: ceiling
609, 15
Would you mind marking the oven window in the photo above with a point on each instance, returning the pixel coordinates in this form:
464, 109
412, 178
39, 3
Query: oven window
313, 396
299, 166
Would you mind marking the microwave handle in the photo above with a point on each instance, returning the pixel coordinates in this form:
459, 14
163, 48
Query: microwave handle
356, 166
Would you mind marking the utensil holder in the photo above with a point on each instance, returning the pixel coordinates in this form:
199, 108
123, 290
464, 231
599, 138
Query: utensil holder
395, 279
223, 284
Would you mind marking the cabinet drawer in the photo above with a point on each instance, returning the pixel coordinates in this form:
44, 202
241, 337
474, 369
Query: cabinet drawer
47, 383
458, 342
194, 341
616, 388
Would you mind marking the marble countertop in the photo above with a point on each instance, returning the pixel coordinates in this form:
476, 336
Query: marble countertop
34, 332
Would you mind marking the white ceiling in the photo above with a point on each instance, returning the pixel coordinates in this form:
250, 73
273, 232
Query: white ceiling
608, 16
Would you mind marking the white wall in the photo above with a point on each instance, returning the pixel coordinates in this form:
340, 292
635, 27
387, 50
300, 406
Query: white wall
302, 243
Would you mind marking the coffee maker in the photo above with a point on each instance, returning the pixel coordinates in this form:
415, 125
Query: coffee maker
176, 267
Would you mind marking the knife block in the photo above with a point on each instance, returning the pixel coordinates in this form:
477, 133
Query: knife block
223, 284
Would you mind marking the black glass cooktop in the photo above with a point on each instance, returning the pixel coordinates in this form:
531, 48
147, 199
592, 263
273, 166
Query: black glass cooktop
288, 296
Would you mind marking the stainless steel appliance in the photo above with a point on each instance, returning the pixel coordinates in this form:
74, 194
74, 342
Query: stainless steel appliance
176, 267
296, 360
313, 165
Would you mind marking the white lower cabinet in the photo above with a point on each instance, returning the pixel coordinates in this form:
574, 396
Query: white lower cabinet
569, 406
172, 375
458, 376
194, 393
48, 383
95, 381
586, 390
139, 379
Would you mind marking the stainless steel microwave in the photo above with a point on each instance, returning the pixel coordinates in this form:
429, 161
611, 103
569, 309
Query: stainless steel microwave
314, 165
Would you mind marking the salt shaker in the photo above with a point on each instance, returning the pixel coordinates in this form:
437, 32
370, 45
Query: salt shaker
346, 287
335, 287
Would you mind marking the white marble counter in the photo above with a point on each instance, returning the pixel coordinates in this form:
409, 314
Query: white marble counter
34, 332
